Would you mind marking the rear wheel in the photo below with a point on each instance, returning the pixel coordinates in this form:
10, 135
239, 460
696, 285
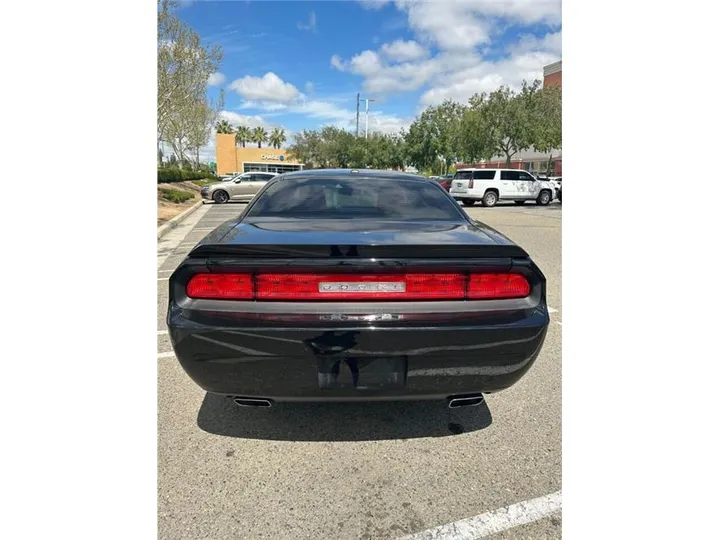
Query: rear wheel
490, 199
468, 202
544, 198
519, 202
221, 197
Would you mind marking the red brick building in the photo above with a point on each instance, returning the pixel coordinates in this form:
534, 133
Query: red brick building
553, 74
530, 161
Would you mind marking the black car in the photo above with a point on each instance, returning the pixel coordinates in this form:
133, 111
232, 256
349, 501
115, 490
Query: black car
340, 285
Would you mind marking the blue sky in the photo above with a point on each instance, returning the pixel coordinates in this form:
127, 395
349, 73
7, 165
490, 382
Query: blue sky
299, 64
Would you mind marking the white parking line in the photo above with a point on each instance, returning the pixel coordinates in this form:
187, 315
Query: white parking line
559, 323
165, 271
552, 310
163, 278
168, 354
495, 521
162, 332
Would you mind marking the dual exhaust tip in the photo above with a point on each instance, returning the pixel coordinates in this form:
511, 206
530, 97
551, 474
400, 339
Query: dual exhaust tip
453, 403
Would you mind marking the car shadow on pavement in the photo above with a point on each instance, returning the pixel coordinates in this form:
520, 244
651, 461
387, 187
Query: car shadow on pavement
372, 421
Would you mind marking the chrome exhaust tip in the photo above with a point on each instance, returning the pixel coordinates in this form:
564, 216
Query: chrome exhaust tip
252, 402
466, 401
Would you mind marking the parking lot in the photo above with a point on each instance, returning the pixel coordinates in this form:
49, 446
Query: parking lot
359, 471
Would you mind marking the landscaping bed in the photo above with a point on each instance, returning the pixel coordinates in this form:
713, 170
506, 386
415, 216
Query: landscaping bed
173, 199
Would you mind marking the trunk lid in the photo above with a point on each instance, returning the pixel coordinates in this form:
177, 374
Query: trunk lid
361, 238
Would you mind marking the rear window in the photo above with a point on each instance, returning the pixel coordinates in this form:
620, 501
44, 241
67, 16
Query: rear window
463, 175
327, 198
483, 175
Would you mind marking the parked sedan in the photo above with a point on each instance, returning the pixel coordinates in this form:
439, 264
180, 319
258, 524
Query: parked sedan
242, 187
339, 285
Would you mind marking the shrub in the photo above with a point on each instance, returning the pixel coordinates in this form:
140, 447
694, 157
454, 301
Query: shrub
169, 175
176, 196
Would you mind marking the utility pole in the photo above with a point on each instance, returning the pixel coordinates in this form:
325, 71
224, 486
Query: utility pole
367, 115
357, 117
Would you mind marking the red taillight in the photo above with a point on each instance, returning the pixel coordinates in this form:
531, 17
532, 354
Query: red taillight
348, 287
221, 286
488, 286
360, 286
471, 183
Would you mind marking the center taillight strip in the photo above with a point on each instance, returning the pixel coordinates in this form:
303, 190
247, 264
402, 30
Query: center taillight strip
265, 286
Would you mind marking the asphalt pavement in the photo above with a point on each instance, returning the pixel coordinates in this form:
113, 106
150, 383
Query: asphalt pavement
359, 471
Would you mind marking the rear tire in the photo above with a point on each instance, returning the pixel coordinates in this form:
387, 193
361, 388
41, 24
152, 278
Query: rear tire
490, 199
519, 202
468, 202
544, 198
221, 196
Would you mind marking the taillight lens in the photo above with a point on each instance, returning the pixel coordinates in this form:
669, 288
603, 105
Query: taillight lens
360, 286
221, 286
471, 183
349, 287
497, 286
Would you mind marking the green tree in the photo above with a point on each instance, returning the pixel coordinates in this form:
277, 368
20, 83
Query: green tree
223, 126
200, 118
547, 122
421, 144
277, 137
306, 148
476, 139
243, 135
183, 66
259, 136
508, 119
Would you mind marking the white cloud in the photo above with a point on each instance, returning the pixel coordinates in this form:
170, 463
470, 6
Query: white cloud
337, 63
236, 120
374, 4
269, 87
402, 51
465, 24
311, 25
216, 79
488, 76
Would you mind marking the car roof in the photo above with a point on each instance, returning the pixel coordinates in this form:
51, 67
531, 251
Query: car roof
490, 169
358, 173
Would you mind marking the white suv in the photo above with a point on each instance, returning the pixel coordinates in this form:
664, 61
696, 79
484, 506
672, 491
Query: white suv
492, 185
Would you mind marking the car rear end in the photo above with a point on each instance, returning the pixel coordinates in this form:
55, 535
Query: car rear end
471, 184
271, 309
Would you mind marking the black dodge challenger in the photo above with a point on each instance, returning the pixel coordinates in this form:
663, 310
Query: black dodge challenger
345, 285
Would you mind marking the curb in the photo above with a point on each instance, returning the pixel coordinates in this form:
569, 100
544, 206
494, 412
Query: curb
174, 222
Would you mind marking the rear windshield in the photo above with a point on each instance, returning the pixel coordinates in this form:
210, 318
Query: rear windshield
329, 198
463, 175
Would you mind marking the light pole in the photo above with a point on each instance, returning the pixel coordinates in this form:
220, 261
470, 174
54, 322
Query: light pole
367, 115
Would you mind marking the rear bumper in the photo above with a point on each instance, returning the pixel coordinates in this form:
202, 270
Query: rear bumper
359, 362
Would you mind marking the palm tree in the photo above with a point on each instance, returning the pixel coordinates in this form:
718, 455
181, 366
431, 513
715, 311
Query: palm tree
223, 126
243, 135
277, 137
259, 135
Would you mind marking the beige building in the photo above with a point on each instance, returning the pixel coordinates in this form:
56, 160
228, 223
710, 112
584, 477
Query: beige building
232, 158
